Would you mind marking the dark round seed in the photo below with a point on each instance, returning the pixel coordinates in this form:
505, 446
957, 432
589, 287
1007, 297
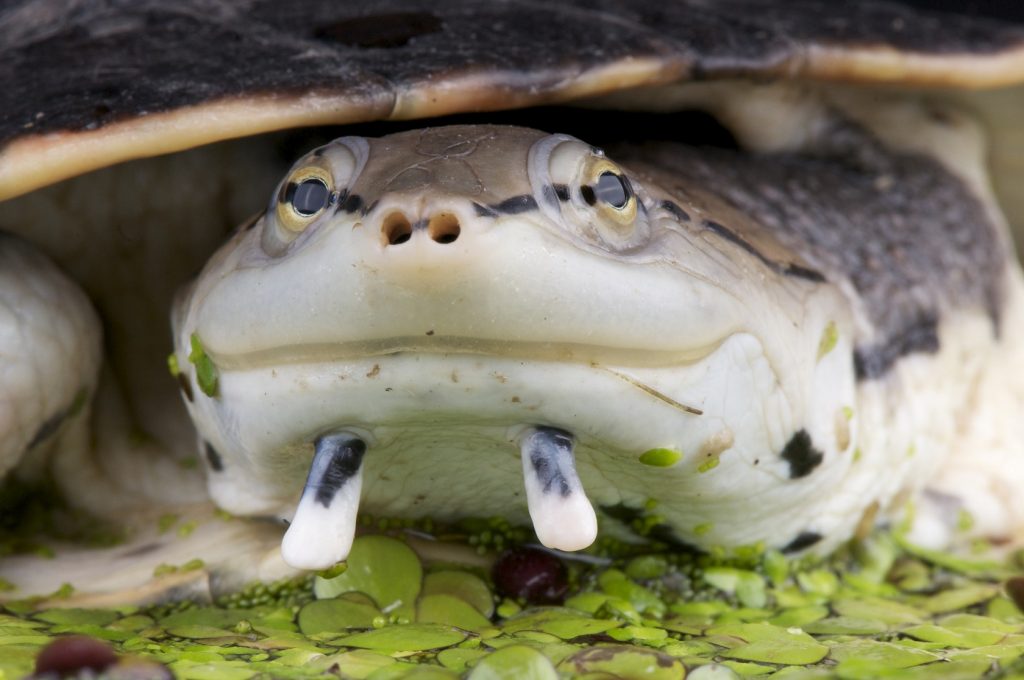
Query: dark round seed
70, 655
530, 574
1015, 589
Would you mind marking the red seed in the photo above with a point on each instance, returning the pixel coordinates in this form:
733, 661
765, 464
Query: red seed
532, 575
70, 655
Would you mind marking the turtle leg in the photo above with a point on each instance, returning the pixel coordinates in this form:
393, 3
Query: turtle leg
49, 357
62, 418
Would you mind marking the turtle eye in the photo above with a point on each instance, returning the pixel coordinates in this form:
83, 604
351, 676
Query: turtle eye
577, 187
308, 197
303, 197
607, 189
613, 189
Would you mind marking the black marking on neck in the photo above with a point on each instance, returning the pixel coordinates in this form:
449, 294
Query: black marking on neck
801, 455
784, 268
551, 445
561, 192
212, 457
805, 539
337, 460
874, 361
675, 210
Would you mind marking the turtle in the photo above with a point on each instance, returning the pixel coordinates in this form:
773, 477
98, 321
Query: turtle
742, 270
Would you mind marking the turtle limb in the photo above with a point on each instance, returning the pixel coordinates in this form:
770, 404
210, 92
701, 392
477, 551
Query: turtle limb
49, 357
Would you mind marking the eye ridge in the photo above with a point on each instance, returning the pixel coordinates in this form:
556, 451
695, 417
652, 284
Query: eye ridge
308, 197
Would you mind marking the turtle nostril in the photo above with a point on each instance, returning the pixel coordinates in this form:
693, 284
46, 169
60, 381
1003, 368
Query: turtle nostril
396, 229
444, 227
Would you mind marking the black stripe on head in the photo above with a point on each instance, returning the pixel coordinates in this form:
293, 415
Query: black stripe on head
785, 268
803, 273
349, 203
921, 335
675, 210
801, 455
805, 539
515, 205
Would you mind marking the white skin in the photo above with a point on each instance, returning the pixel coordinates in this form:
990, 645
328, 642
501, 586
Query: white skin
619, 325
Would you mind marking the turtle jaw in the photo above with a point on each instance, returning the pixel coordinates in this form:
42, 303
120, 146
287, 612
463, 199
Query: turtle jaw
454, 435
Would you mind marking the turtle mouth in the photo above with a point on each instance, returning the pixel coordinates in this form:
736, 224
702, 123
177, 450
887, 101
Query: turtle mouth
463, 398
433, 344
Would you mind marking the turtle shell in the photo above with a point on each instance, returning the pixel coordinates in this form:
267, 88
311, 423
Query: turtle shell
91, 85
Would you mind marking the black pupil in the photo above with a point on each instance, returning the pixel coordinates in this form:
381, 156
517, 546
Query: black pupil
613, 189
310, 197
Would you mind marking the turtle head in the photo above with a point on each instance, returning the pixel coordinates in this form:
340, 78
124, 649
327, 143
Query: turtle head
433, 299
500, 239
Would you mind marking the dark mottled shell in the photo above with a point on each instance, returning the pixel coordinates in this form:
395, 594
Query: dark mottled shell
80, 67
